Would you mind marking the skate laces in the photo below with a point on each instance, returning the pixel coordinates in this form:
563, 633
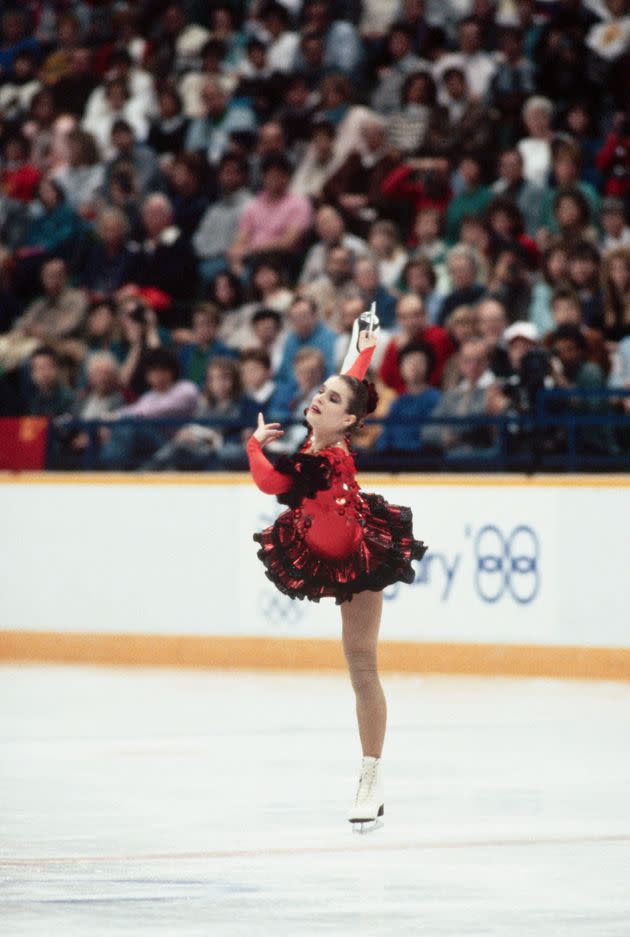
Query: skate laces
366, 782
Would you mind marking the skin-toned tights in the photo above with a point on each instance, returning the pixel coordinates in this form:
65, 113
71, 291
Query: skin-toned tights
361, 619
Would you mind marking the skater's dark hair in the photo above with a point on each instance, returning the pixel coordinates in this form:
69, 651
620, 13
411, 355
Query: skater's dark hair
363, 399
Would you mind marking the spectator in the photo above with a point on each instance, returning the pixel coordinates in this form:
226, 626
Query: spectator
108, 262
508, 282
19, 179
528, 197
164, 260
270, 142
197, 445
554, 273
19, 86
54, 319
409, 127
209, 134
305, 331
118, 106
258, 383
47, 394
566, 176
283, 41
335, 283
620, 378
100, 397
317, 164
187, 184
402, 430
512, 83
269, 291
296, 113
83, 177
613, 160
465, 125
506, 229
355, 188
431, 248
535, 149
584, 277
402, 62
412, 327
467, 400
195, 356
613, 219
138, 83
567, 310
140, 334
212, 68
341, 44
461, 325
274, 222
616, 281
269, 335
478, 66
130, 157
128, 445
169, 127
492, 323
55, 230
570, 348
72, 91
473, 199
463, 269
419, 277
331, 232
217, 229
384, 242
368, 284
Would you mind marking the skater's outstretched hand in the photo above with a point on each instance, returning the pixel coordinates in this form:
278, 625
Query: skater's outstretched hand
366, 340
267, 432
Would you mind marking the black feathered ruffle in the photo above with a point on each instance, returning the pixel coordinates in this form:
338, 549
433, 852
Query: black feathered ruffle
310, 474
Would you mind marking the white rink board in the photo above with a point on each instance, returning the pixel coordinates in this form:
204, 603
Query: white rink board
506, 564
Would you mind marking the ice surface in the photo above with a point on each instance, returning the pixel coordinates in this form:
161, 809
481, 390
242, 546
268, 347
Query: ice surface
157, 802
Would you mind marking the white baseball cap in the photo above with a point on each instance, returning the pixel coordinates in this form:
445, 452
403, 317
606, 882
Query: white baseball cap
521, 330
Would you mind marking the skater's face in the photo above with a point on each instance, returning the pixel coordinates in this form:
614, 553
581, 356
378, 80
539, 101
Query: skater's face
328, 412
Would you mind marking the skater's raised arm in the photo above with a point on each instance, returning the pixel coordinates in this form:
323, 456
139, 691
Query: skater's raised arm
367, 344
267, 478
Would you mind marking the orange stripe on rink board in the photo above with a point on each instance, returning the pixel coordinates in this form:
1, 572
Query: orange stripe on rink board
239, 478
262, 653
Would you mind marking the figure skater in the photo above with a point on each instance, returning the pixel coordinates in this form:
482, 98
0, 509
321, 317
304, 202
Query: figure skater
338, 541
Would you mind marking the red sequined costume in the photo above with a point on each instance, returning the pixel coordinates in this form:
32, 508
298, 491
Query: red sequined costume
335, 540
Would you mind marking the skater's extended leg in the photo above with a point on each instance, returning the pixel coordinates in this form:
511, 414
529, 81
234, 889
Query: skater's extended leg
361, 619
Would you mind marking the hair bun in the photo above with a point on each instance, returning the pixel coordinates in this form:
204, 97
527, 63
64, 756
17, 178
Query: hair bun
372, 397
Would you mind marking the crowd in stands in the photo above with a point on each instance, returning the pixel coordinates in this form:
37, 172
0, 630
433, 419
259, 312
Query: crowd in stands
197, 200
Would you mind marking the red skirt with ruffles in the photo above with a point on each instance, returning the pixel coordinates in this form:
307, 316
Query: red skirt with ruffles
383, 556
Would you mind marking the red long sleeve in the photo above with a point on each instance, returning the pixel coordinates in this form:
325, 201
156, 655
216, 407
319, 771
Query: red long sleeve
264, 474
360, 367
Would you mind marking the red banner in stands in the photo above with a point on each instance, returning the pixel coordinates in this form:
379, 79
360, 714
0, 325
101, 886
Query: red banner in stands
23, 443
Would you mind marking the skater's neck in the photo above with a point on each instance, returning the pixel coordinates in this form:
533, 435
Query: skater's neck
326, 441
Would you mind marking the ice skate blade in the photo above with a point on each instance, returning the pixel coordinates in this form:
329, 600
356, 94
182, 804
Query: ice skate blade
366, 826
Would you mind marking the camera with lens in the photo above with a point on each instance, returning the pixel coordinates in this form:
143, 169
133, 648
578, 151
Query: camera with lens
533, 375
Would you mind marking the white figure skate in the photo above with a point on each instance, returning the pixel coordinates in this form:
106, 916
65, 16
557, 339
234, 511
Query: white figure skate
368, 808
366, 322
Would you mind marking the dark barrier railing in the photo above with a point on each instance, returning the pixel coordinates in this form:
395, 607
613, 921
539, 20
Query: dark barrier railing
566, 430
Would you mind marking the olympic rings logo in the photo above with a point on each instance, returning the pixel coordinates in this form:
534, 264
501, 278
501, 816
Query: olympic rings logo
507, 564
